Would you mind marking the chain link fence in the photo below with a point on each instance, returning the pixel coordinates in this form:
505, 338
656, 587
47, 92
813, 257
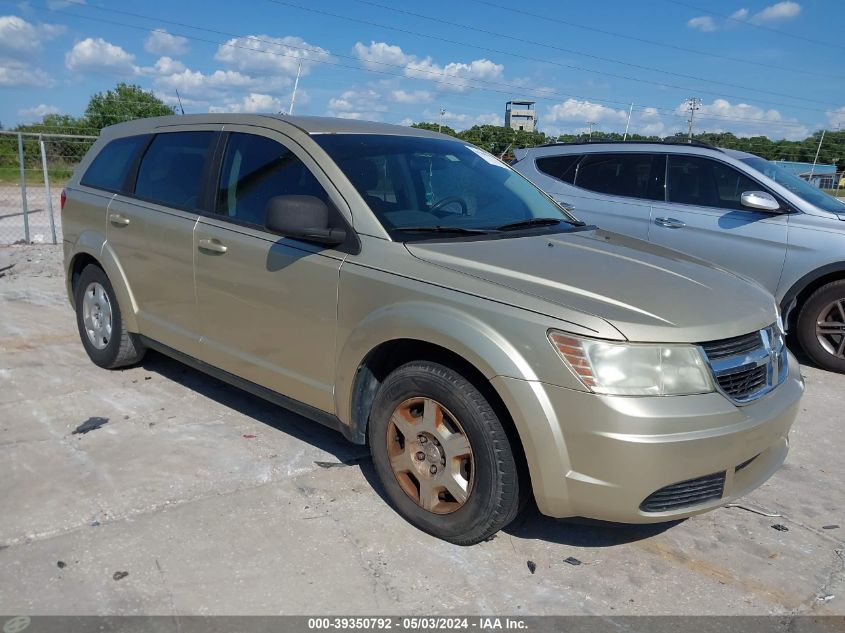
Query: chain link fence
33, 170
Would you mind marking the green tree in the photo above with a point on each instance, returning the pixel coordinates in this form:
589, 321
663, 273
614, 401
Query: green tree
434, 127
125, 103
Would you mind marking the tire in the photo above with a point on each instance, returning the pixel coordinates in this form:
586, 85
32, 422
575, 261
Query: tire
827, 304
108, 347
466, 427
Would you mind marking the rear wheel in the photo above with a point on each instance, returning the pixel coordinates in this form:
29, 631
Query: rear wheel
100, 324
821, 326
442, 454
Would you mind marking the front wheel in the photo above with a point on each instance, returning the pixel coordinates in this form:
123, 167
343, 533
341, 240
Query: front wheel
442, 454
821, 326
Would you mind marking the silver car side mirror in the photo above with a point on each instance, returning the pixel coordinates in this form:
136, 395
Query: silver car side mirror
760, 200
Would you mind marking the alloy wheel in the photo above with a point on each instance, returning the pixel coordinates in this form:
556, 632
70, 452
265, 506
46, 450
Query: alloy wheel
97, 315
830, 328
430, 455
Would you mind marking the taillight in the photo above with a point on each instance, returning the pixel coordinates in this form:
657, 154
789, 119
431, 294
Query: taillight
63, 199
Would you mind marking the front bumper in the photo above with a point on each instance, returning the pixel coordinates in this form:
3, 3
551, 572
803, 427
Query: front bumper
602, 456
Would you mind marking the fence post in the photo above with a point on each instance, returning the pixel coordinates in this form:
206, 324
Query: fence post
47, 188
23, 188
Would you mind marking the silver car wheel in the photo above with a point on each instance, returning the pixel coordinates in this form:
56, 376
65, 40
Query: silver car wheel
97, 315
830, 328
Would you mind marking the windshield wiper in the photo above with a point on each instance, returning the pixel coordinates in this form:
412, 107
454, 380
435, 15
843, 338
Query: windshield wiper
529, 222
460, 230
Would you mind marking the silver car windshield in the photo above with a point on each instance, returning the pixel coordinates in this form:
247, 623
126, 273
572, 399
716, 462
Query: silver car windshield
796, 185
415, 183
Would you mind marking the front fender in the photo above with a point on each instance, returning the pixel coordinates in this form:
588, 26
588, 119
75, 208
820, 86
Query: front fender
467, 336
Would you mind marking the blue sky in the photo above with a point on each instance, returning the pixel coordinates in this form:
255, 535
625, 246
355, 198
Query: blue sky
759, 67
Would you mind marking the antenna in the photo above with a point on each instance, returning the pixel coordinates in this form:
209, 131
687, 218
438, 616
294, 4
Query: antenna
180, 102
440, 124
295, 86
628, 124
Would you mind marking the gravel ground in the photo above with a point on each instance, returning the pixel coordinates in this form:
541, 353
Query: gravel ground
195, 498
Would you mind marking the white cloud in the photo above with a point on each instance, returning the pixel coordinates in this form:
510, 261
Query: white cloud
167, 66
262, 53
255, 102
777, 13
160, 42
62, 4
836, 117
744, 119
38, 112
702, 23
455, 76
361, 103
577, 111
416, 96
98, 55
378, 54
15, 73
19, 37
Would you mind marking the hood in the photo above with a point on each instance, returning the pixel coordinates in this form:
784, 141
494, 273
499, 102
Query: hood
647, 292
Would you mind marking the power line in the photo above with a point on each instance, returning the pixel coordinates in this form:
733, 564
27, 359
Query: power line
754, 24
639, 80
573, 52
439, 77
318, 50
739, 60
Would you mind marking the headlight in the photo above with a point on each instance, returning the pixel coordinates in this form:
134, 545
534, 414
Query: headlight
631, 369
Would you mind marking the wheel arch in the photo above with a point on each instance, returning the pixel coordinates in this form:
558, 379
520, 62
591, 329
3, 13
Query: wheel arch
391, 354
93, 249
802, 289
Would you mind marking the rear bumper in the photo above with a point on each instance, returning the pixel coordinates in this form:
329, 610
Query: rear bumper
602, 456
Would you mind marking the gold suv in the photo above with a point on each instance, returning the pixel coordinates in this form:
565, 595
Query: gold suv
415, 293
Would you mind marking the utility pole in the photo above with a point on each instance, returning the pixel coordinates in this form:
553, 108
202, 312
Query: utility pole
180, 102
440, 123
591, 124
627, 125
816, 159
295, 86
693, 104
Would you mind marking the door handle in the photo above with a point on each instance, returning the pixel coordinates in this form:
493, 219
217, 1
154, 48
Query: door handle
117, 219
670, 223
213, 246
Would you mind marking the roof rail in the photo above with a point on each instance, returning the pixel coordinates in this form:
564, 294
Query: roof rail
667, 141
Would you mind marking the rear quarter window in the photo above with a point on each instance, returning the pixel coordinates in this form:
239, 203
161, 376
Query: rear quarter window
560, 167
110, 167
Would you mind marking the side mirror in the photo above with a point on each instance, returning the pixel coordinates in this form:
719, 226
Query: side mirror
302, 217
760, 200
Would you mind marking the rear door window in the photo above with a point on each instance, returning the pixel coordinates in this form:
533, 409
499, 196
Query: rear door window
707, 183
172, 169
110, 167
624, 174
560, 167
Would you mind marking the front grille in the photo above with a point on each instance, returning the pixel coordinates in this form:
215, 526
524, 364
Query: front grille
736, 346
744, 383
685, 494
748, 366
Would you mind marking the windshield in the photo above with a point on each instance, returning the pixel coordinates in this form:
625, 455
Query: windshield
796, 185
417, 185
